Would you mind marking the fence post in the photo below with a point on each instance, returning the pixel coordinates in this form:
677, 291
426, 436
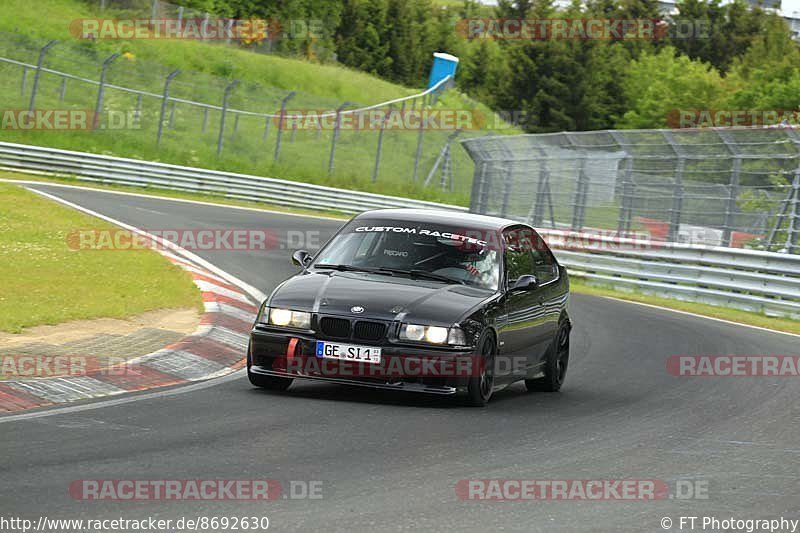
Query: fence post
98, 108
677, 193
793, 229
266, 130
24, 81
164, 100
336, 126
281, 119
42, 53
581, 187
137, 113
733, 187
180, 19
419, 142
204, 27
62, 91
205, 119
225, 95
380, 144
154, 11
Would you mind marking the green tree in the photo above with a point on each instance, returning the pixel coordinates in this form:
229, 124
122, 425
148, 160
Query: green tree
659, 84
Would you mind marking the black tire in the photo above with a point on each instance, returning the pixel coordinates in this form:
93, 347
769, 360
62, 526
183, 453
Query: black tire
555, 369
273, 383
479, 388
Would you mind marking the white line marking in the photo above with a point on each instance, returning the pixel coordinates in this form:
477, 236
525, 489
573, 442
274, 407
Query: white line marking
688, 313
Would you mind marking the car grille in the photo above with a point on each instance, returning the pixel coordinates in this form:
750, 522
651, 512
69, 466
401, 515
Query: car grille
362, 330
369, 331
335, 327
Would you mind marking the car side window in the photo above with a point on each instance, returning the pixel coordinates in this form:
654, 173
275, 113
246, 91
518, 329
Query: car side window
526, 253
519, 259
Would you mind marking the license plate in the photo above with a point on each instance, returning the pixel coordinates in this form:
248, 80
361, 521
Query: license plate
348, 352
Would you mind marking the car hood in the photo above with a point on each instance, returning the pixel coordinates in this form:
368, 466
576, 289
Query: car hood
381, 297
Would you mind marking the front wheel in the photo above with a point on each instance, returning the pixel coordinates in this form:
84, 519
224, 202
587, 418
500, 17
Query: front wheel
480, 387
555, 369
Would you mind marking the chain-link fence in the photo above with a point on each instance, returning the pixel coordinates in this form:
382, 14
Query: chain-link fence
723, 187
148, 111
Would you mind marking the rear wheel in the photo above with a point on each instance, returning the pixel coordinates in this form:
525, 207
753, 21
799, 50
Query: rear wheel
555, 369
273, 383
479, 388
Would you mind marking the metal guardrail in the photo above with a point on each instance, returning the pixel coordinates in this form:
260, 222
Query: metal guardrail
751, 280
134, 172
765, 282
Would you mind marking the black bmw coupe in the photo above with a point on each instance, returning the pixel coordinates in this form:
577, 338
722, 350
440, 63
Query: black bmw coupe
418, 300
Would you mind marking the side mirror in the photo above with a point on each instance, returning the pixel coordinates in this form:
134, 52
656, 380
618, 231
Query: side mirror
525, 283
301, 258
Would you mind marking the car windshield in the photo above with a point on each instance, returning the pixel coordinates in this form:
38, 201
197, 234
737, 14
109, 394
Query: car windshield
417, 249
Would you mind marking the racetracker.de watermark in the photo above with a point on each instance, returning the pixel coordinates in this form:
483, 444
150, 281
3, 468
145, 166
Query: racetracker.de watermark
47, 366
385, 119
727, 118
68, 120
579, 490
731, 366
208, 239
206, 29
581, 29
137, 490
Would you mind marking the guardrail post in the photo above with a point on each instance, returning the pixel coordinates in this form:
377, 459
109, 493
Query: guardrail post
36, 76
225, 96
336, 127
281, 119
164, 100
98, 108
380, 144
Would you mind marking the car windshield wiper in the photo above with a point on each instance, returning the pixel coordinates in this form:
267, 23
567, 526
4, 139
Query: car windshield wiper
352, 268
415, 273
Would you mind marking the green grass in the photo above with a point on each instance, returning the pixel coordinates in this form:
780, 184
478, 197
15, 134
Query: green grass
207, 69
788, 325
43, 282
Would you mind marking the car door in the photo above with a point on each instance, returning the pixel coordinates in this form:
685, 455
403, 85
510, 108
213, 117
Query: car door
523, 334
549, 293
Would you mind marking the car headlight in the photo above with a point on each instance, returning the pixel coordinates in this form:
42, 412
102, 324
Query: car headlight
286, 317
432, 334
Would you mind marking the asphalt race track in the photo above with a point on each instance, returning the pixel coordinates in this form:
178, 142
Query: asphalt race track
391, 462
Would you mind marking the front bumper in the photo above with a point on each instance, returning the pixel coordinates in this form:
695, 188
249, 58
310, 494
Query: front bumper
440, 371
